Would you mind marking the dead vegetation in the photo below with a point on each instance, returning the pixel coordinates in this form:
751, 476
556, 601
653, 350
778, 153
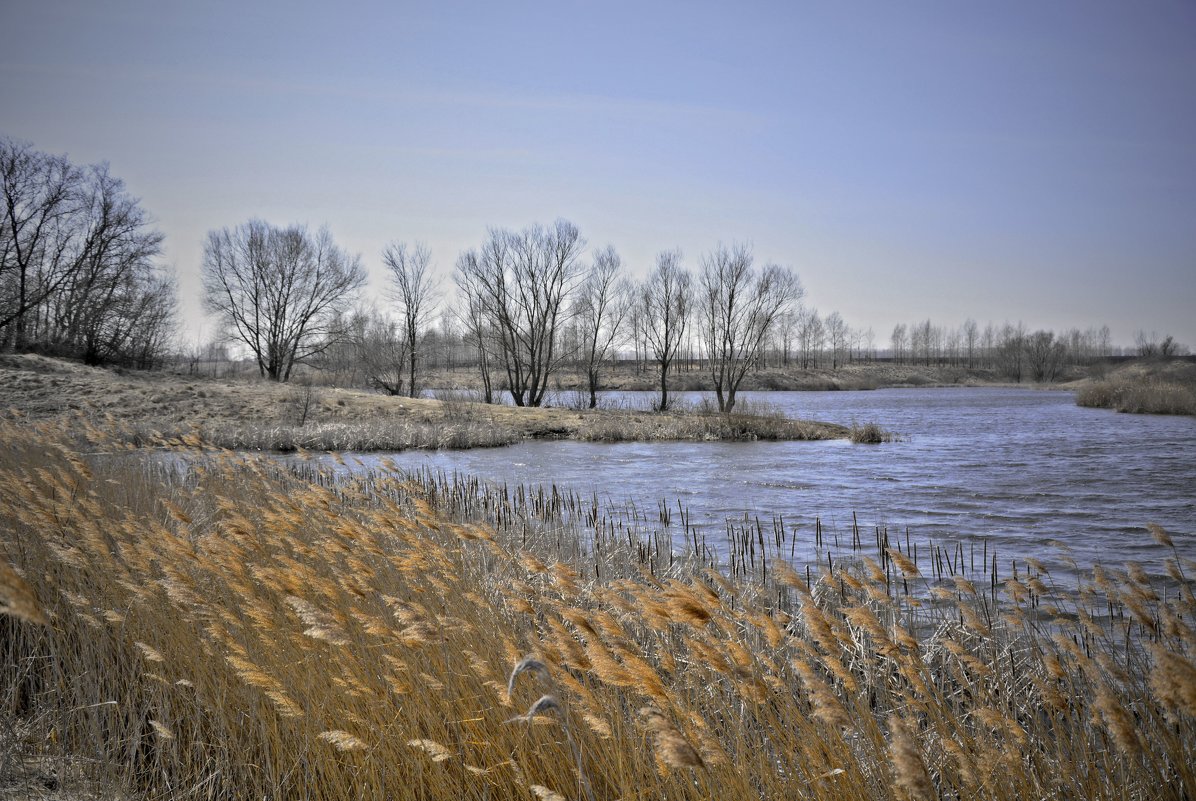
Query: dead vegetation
1144, 387
248, 629
250, 414
868, 434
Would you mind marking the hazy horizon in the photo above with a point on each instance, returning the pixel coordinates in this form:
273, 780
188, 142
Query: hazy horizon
1023, 163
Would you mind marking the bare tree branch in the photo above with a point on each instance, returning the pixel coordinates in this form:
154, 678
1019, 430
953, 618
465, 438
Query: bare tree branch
519, 286
666, 299
416, 293
279, 290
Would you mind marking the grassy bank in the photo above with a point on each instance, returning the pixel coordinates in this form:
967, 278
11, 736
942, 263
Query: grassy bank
244, 414
1148, 387
246, 631
1156, 397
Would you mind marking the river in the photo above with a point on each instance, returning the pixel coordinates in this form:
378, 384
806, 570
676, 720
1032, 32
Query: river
1017, 468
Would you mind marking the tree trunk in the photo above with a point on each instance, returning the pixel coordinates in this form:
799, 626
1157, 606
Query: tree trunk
411, 388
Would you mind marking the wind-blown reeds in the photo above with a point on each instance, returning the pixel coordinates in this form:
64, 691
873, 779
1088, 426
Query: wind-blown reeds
247, 628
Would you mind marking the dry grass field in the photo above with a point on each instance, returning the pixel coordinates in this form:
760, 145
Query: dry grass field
262, 415
245, 629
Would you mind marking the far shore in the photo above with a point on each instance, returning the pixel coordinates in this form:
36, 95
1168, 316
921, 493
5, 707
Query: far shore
865, 375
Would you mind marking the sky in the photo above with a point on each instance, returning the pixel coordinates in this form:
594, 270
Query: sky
1020, 161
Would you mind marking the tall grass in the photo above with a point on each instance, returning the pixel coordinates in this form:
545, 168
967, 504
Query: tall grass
245, 629
1145, 396
868, 434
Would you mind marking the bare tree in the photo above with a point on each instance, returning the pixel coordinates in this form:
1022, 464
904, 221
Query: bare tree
1169, 347
519, 285
740, 307
1104, 342
787, 326
1044, 355
415, 292
921, 342
837, 333
41, 238
279, 290
1149, 345
898, 342
450, 336
870, 344
1011, 350
114, 294
602, 307
666, 299
380, 349
951, 340
810, 335
77, 262
971, 340
476, 318
139, 326
639, 343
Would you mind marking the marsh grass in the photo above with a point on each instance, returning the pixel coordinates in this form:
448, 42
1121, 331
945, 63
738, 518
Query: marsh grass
869, 434
1152, 396
373, 435
250, 629
710, 427
701, 420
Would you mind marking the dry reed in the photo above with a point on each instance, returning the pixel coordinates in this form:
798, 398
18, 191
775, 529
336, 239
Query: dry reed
245, 628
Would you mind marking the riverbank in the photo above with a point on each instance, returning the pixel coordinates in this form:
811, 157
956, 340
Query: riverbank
260, 415
1143, 387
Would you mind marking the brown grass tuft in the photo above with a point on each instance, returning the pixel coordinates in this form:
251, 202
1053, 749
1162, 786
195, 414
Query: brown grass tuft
433, 749
909, 771
342, 740
672, 749
16, 596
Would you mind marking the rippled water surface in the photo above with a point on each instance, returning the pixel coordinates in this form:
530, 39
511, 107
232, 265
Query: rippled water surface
1015, 467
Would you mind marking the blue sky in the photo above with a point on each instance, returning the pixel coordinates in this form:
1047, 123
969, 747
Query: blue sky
1016, 161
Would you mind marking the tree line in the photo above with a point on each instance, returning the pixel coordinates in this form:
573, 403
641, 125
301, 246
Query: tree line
1011, 350
79, 276
529, 303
